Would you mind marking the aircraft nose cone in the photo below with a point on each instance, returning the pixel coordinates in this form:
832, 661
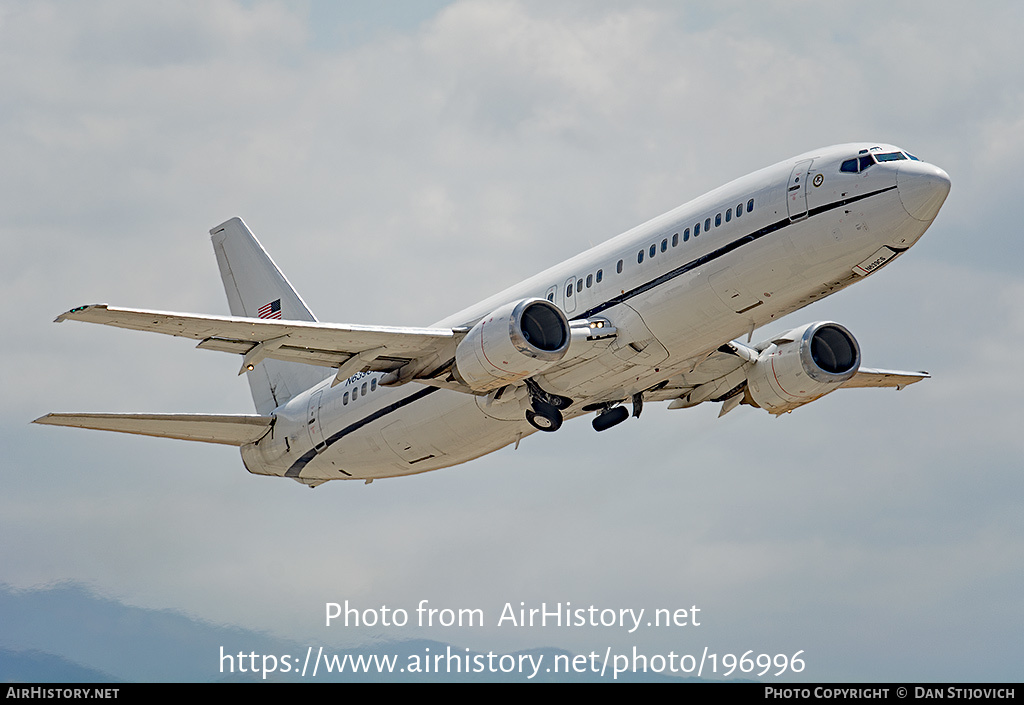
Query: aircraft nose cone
923, 189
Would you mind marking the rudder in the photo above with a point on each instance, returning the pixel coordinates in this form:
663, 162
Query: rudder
256, 288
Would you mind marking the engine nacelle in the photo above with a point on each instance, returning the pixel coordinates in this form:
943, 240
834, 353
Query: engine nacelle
802, 365
512, 343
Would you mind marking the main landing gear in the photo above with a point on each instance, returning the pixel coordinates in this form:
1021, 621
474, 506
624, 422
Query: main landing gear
614, 415
545, 414
544, 417
610, 417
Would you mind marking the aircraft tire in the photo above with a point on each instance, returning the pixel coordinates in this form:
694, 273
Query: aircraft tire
612, 417
544, 417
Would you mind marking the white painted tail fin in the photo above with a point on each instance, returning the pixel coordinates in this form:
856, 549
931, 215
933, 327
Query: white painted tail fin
256, 288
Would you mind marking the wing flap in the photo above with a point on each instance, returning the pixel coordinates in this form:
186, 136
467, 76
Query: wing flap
233, 430
291, 353
313, 343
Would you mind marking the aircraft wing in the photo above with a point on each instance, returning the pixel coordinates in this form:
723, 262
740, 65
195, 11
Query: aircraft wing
720, 375
867, 377
350, 348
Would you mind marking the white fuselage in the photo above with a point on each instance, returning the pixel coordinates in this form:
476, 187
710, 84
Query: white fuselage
768, 244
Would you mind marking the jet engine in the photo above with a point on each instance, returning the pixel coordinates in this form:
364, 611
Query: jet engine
514, 342
802, 365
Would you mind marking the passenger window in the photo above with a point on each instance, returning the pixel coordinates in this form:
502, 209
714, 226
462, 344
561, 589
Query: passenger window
355, 393
750, 205
568, 291
718, 220
373, 384
640, 257
551, 297
579, 285
600, 274
707, 224
728, 215
618, 267
654, 248
686, 235
675, 239
590, 280
696, 230
363, 390
739, 210
344, 399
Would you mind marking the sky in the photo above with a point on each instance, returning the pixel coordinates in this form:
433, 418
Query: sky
403, 160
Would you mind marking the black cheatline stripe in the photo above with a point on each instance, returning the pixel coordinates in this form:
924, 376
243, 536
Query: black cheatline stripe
720, 252
297, 466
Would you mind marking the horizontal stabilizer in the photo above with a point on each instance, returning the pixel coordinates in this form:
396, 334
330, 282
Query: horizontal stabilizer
208, 428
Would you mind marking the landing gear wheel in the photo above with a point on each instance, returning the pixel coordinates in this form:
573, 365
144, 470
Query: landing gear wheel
612, 417
544, 417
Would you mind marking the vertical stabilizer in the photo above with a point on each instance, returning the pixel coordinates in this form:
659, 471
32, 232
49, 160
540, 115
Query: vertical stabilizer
256, 288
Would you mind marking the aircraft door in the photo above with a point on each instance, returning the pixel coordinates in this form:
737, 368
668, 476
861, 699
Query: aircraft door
796, 190
569, 295
316, 432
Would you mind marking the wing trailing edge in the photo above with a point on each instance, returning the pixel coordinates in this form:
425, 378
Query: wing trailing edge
232, 430
867, 377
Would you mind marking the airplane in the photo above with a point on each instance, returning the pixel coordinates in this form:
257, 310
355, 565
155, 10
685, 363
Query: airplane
655, 314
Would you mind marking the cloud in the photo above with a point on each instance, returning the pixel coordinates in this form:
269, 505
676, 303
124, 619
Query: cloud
402, 176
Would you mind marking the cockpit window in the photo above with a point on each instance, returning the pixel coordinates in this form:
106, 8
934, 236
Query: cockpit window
912, 156
857, 165
890, 156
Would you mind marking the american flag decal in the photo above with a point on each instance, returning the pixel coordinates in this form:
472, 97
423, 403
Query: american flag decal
271, 310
